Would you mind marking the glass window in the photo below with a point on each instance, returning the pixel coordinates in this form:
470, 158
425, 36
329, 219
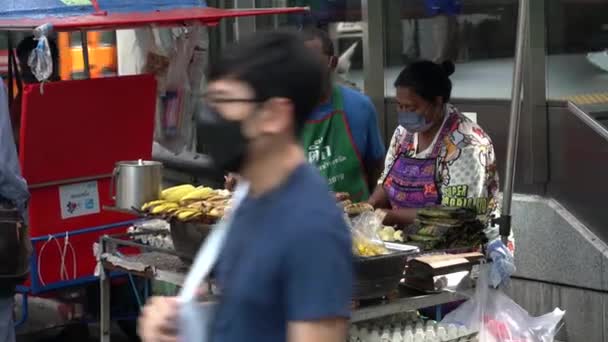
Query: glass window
341, 18
478, 36
107, 38
3, 40
76, 39
577, 48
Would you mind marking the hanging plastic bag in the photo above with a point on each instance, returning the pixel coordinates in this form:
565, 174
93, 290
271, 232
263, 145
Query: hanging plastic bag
195, 317
503, 263
40, 60
179, 91
497, 318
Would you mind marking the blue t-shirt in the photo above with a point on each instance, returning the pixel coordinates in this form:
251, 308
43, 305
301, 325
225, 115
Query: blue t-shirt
288, 257
363, 121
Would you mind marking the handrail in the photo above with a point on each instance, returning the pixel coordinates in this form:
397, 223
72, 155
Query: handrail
588, 120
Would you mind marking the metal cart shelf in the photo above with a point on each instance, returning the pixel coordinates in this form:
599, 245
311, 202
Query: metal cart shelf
165, 265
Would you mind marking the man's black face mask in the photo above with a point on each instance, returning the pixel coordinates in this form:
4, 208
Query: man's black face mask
225, 143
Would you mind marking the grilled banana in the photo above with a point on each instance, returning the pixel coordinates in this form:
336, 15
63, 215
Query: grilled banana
176, 193
151, 204
198, 194
187, 214
163, 208
217, 212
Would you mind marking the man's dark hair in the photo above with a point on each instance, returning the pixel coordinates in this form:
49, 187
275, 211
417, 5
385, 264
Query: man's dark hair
275, 64
313, 33
28, 44
428, 79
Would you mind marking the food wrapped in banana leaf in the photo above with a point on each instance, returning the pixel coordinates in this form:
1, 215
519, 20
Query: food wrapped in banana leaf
444, 222
433, 230
446, 213
426, 242
446, 228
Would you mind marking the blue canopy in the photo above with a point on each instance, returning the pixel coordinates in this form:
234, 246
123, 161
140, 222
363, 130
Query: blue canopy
68, 15
42, 8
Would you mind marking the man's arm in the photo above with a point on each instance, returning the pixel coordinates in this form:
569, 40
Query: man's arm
327, 330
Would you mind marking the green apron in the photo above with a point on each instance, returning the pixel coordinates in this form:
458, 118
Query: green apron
329, 146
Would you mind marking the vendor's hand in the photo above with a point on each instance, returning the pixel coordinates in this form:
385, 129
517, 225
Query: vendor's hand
158, 320
230, 181
503, 263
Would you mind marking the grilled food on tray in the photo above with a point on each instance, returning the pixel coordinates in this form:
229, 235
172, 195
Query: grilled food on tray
186, 203
342, 196
358, 208
345, 203
446, 228
446, 213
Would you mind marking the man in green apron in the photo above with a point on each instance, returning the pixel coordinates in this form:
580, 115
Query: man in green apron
342, 137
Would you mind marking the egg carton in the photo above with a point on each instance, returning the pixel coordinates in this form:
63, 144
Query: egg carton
418, 331
154, 233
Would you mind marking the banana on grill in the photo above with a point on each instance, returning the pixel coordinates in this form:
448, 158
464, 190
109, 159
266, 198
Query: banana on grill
176, 193
187, 214
163, 208
198, 194
151, 204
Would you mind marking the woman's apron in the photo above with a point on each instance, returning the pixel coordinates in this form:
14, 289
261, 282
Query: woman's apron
412, 182
330, 148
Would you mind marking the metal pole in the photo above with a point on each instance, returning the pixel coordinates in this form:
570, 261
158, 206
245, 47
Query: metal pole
513, 137
245, 25
373, 57
85, 53
104, 298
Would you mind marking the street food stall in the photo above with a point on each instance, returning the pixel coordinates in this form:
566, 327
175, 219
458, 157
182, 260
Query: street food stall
184, 215
72, 133
74, 172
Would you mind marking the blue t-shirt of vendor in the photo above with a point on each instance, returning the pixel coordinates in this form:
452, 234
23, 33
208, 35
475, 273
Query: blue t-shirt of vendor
288, 258
363, 121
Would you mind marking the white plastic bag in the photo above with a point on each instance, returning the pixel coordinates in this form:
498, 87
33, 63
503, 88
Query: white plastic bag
40, 60
498, 318
194, 317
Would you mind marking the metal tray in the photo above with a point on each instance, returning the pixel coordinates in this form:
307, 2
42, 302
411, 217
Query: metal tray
188, 237
380, 275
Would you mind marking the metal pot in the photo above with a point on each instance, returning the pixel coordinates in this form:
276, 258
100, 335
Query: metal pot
135, 183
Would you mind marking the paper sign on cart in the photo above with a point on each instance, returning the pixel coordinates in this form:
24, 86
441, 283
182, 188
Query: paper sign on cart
79, 199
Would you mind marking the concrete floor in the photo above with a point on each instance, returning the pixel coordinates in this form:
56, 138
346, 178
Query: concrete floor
46, 323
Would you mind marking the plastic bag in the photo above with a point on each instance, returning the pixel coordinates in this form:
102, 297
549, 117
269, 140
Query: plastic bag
498, 318
40, 60
503, 263
177, 57
366, 241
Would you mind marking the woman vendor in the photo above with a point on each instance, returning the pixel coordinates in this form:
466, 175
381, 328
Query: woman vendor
437, 156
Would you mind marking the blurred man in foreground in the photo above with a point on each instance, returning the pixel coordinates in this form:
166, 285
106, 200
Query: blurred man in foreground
285, 272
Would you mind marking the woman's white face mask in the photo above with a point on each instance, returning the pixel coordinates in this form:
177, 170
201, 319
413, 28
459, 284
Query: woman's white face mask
413, 122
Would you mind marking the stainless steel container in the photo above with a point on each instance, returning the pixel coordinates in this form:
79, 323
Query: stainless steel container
135, 183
